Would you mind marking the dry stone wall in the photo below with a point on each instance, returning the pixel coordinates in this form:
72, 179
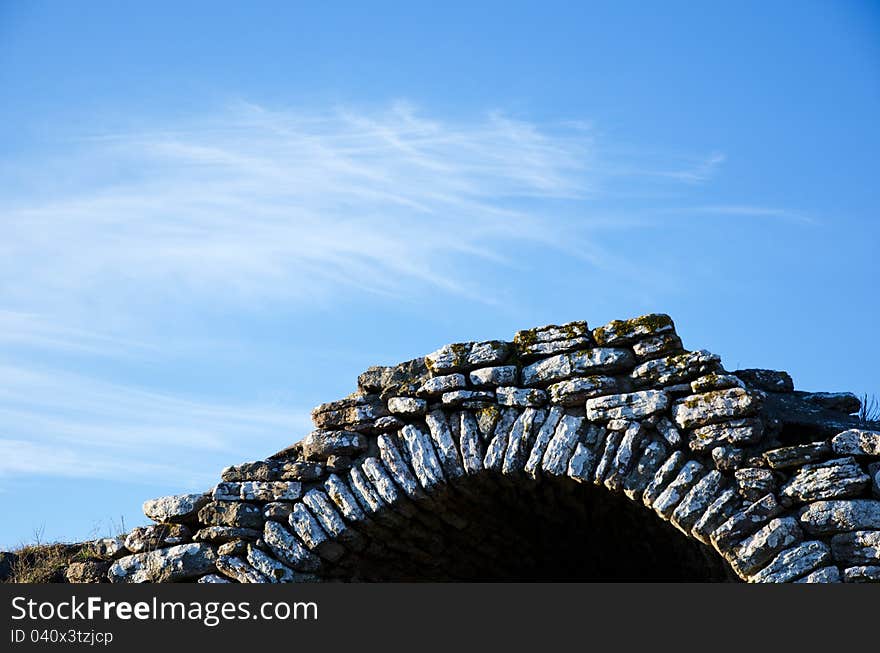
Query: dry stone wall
569, 452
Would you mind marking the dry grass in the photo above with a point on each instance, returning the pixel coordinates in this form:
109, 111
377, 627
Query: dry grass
869, 413
40, 562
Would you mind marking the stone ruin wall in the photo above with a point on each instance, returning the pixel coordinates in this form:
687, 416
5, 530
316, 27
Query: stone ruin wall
568, 453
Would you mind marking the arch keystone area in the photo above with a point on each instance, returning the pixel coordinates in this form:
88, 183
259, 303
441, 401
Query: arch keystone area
566, 454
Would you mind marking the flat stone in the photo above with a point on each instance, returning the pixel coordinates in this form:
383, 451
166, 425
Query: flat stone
270, 490
719, 511
862, 574
289, 549
521, 397
736, 432
233, 548
857, 547
656, 346
107, 547
836, 516
231, 513
341, 495
494, 458
220, 534
318, 445
857, 442
213, 579
697, 501
715, 406
669, 432
449, 358
561, 446
574, 392
797, 455
727, 458
397, 467
349, 414
547, 370
379, 378
309, 530
754, 482
664, 475
831, 479
493, 376
601, 360
258, 470
490, 352
239, 570
606, 459
439, 384
624, 332
542, 440
321, 506
444, 444
769, 380
519, 442
743, 523
422, 457
269, 567
407, 406
467, 398
143, 538
175, 508
687, 477
582, 464
301, 470
829, 574
167, 565
643, 472
630, 406
552, 339
715, 382
381, 481
470, 443
675, 369
842, 402
793, 563
384, 424
367, 495
760, 547
625, 456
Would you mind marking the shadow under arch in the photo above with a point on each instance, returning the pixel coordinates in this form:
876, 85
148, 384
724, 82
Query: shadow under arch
493, 527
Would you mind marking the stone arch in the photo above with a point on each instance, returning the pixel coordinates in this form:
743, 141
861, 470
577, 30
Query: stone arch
568, 453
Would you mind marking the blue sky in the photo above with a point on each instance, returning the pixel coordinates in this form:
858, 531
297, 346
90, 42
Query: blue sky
215, 215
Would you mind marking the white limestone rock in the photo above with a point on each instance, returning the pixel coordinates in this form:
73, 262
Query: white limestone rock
793, 563
838, 478
168, 565
629, 406
857, 442
715, 406
175, 508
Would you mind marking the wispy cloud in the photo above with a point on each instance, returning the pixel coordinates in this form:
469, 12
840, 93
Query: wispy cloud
63, 424
258, 204
248, 207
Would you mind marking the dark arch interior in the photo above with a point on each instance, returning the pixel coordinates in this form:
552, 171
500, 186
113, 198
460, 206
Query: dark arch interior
520, 529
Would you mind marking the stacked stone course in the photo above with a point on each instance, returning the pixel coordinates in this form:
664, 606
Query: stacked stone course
393, 479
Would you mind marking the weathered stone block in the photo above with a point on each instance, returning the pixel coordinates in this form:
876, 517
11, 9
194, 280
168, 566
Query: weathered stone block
831, 479
841, 515
857, 547
176, 508
630, 406
857, 442
715, 406
624, 332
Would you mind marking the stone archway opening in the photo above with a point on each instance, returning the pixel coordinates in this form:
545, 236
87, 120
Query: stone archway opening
523, 530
